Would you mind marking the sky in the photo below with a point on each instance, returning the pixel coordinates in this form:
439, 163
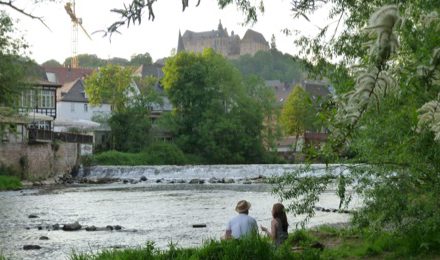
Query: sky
157, 37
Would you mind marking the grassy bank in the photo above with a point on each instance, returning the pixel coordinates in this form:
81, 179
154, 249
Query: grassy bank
9, 183
322, 243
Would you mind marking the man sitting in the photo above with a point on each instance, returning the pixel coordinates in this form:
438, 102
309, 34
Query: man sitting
242, 224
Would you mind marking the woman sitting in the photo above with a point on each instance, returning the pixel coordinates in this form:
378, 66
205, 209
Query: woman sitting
278, 231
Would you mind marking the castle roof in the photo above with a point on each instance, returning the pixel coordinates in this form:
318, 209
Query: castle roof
254, 36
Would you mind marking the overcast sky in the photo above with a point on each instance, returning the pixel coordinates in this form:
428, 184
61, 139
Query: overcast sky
156, 37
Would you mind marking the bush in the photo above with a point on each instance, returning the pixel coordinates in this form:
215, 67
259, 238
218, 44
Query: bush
117, 158
164, 153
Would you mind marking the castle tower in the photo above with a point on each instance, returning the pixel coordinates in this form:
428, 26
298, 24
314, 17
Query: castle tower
180, 46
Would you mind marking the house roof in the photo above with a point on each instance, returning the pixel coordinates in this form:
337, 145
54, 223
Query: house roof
65, 74
316, 88
45, 83
149, 70
281, 89
254, 36
72, 91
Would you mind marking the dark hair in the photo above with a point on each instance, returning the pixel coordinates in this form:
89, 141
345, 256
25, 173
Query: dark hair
278, 212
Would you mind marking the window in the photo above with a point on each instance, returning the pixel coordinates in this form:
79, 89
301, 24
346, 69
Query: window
72, 107
46, 99
86, 108
28, 99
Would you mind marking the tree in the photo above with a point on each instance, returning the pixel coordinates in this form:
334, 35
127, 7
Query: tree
271, 66
51, 63
12, 63
118, 61
141, 59
385, 112
110, 84
130, 129
87, 60
266, 99
214, 116
298, 113
273, 44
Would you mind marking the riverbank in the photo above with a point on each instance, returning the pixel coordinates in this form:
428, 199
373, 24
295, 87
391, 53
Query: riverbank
324, 242
9, 183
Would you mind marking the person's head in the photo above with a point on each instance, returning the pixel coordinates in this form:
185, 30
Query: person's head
278, 212
243, 207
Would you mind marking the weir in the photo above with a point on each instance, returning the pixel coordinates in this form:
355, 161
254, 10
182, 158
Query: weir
202, 172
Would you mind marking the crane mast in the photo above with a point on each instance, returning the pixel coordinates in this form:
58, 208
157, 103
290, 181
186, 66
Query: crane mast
76, 22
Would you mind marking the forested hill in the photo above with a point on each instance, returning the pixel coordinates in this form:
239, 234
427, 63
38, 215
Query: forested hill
93, 61
271, 65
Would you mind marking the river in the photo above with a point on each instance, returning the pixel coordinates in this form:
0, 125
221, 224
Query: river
160, 209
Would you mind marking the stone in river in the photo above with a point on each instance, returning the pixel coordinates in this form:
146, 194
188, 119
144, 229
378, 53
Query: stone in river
91, 228
56, 227
143, 178
196, 181
199, 225
31, 247
32, 216
72, 227
117, 227
44, 238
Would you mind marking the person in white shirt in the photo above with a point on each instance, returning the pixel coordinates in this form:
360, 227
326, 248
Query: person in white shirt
243, 224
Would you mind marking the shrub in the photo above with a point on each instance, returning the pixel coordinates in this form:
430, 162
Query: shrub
164, 153
118, 158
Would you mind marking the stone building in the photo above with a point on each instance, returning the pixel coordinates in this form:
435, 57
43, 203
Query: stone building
230, 46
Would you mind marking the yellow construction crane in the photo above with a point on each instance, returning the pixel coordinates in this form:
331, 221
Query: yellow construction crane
70, 9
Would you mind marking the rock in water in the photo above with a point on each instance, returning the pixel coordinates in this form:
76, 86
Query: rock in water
44, 238
72, 227
31, 247
199, 225
32, 216
56, 227
91, 228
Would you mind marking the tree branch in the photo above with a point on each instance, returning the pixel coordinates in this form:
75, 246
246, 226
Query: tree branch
22, 11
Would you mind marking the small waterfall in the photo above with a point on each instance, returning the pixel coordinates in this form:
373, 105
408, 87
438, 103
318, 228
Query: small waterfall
188, 172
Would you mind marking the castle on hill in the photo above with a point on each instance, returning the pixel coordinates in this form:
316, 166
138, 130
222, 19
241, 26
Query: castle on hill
230, 46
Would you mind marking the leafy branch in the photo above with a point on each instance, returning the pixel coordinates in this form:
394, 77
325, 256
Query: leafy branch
133, 12
11, 4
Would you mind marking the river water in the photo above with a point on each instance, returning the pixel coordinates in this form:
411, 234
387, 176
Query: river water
147, 211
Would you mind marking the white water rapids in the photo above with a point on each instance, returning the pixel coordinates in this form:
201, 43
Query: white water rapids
147, 211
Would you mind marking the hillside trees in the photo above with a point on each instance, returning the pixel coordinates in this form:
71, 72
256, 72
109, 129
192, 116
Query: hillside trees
215, 118
271, 65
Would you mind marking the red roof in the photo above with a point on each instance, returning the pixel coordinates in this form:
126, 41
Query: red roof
65, 74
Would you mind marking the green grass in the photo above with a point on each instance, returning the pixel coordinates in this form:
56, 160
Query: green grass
248, 248
338, 244
9, 183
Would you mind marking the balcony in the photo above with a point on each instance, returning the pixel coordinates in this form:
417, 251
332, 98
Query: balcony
47, 136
